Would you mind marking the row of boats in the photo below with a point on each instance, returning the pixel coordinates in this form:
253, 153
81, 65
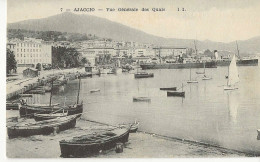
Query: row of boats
51, 118
233, 79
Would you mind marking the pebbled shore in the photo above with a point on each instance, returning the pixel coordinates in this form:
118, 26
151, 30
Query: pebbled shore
140, 145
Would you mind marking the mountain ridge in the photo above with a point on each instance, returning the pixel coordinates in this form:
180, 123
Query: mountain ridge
89, 24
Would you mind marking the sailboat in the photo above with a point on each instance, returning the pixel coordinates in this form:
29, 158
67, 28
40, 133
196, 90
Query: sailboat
233, 77
191, 81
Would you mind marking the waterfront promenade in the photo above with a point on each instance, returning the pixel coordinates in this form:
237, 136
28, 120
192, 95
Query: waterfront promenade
22, 84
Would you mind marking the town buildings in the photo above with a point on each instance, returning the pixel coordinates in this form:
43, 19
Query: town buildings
29, 52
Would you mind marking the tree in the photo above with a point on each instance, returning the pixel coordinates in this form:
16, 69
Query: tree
84, 61
10, 61
39, 67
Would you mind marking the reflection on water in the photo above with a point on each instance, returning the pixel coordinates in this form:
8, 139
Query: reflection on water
207, 113
233, 105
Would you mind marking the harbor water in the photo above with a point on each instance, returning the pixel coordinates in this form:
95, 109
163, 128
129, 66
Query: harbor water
207, 114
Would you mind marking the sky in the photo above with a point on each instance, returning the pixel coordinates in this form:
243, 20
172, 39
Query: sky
215, 20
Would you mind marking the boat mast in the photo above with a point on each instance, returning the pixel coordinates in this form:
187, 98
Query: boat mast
51, 90
237, 51
78, 91
182, 87
190, 72
160, 55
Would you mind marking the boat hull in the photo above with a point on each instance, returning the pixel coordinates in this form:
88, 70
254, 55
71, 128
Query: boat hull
144, 75
169, 89
177, 94
23, 131
250, 62
212, 64
80, 149
40, 117
26, 111
141, 99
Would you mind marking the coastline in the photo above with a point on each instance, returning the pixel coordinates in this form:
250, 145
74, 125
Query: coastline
139, 145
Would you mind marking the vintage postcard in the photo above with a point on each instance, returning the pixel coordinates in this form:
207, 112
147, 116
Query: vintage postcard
132, 78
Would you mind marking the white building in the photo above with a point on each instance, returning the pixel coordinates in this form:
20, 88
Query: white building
170, 51
29, 52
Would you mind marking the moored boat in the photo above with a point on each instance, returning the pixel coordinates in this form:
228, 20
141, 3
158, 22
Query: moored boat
169, 89
174, 93
141, 99
86, 145
94, 90
23, 129
233, 77
143, 75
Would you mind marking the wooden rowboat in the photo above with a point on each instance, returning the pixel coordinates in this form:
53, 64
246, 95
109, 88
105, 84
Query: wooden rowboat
141, 99
40, 117
45, 127
90, 144
169, 89
94, 90
174, 93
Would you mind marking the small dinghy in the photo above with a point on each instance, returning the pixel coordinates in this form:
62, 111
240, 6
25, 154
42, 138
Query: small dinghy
141, 99
206, 78
94, 90
133, 126
24, 129
169, 89
174, 93
87, 145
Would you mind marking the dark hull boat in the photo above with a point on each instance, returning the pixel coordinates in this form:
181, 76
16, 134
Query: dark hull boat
141, 99
169, 89
177, 94
144, 75
46, 127
88, 145
28, 111
211, 64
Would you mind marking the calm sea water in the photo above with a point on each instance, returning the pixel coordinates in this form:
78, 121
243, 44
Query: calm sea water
207, 113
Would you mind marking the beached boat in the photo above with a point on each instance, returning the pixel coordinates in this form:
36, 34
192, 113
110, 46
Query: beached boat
169, 89
233, 77
52, 115
94, 90
29, 111
141, 99
87, 145
134, 127
24, 129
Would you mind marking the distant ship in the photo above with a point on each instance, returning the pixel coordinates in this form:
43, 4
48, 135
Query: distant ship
239, 62
245, 61
180, 64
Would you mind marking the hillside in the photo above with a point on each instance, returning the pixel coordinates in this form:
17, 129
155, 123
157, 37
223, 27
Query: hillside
103, 28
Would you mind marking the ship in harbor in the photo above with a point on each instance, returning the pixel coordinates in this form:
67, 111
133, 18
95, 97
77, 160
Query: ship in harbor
179, 62
245, 61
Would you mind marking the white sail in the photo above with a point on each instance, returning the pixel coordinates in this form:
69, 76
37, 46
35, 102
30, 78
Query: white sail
233, 72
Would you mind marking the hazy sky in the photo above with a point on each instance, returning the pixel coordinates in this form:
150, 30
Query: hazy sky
216, 20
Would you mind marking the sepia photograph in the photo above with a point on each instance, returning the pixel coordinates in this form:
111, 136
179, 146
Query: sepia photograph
132, 79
